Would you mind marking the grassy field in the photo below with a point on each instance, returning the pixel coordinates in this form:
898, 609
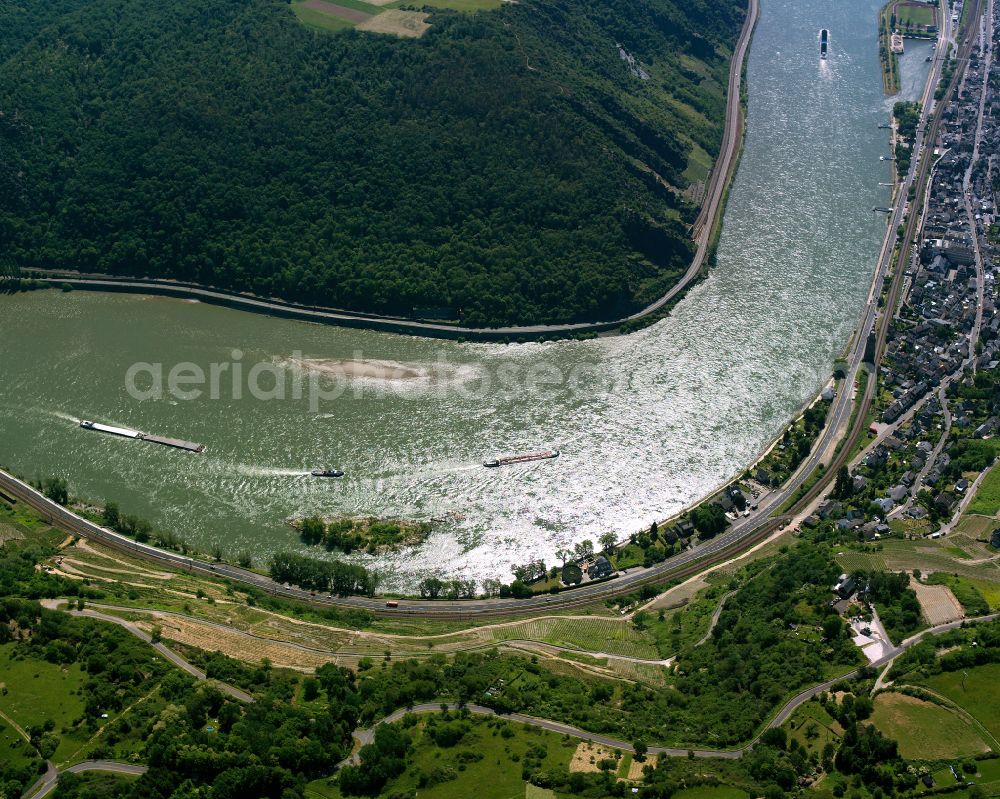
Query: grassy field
710, 792
38, 691
974, 690
699, 165
400, 23
316, 19
990, 592
485, 763
987, 778
813, 727
918, 16
455, 5
925, 731
987, 499
15, 752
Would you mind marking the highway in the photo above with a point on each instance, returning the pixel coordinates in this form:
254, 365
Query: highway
702, 230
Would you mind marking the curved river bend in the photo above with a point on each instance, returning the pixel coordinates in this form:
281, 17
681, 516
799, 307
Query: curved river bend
647, 423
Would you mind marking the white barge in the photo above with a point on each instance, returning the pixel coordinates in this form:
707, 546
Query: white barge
124, 432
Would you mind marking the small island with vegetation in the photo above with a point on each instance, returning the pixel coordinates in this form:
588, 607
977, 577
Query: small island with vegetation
368, 533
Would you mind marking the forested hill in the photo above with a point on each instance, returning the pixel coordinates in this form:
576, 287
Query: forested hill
510, 166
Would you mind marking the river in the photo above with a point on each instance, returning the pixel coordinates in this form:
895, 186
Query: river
646, 423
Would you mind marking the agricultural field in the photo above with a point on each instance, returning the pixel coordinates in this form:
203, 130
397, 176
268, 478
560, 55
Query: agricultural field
964, 590
379, 16
371, 17
974, 690
937, 603
925, 731
987, 499
976, 527
851, 561
209, 614
955, 554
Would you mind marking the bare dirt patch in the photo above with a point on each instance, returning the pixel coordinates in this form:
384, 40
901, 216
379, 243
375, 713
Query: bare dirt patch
129, 567
399, 23
350, 14
588, 755
236, 645
678, 596
937, 602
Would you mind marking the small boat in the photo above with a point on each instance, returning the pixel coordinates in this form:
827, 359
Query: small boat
824, 42
525, 457
327, 473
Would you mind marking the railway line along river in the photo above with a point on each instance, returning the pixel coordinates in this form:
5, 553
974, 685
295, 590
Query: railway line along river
645, 423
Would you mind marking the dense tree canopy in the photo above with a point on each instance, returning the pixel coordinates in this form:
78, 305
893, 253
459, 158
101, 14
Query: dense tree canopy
506, 167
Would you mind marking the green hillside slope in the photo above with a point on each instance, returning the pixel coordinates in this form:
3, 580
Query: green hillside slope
507, 167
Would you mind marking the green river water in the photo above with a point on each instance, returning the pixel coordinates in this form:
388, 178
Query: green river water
646, 423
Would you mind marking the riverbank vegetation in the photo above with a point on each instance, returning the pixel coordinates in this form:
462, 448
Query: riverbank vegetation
367, 533
793, 448
888, 59
323, 576
543, 179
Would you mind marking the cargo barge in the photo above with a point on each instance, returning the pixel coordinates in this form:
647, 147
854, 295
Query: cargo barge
526, 457
124, 432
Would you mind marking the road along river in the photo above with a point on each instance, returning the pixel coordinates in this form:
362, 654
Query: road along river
646, 423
